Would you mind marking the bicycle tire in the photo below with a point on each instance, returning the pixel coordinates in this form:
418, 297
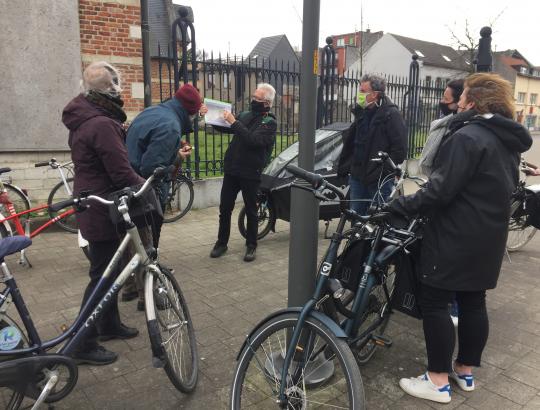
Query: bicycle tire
20, 202
15, 397
332, 350
158, 314
173, 207
68, 223
519, 233
266, 214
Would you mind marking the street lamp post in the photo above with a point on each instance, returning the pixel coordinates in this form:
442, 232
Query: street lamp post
145, 36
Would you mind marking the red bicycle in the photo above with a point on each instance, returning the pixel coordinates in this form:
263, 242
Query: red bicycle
13, 222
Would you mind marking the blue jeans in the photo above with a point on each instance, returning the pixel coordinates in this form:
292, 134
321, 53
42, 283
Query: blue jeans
367, 194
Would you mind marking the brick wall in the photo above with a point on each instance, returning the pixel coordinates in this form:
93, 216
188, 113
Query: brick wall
111, 31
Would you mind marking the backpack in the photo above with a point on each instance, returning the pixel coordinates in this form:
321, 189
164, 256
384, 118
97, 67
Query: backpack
532, 205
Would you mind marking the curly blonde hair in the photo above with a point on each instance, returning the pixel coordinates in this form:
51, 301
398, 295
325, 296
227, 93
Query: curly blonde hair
490, 93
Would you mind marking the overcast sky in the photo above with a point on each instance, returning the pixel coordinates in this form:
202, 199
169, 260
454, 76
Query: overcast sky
237, 25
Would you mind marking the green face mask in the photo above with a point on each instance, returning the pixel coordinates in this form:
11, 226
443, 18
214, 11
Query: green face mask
361, 99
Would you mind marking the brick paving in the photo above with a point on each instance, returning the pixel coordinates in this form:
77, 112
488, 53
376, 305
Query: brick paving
227, 297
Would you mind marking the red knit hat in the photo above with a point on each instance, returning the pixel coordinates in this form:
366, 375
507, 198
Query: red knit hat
190, 98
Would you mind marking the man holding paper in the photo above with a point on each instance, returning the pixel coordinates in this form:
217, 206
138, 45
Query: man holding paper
248, 153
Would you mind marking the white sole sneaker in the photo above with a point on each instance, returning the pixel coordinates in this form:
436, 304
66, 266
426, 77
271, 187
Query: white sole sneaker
423, 388
465, 381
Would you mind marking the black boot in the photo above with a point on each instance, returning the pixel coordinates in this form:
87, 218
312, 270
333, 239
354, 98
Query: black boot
96, 355
218, 250
121, 331
250, 254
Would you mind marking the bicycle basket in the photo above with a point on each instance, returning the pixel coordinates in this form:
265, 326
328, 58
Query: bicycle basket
142, 210
532, 206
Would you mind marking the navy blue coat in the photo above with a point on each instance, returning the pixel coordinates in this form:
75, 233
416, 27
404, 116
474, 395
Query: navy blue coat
153, 138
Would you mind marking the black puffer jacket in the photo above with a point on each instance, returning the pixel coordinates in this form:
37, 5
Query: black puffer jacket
251, 146
467, 202
387, 132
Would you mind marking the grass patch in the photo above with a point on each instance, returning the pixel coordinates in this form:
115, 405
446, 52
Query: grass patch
212, 148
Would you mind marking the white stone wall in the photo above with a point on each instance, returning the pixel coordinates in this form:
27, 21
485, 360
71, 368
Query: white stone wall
37, 181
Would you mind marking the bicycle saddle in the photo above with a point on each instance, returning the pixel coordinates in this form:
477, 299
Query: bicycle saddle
4, 170
12, 245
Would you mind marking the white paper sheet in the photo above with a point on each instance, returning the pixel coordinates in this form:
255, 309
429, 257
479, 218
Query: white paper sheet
214, 116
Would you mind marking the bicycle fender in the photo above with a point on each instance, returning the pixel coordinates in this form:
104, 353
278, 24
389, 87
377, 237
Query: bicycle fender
321, 317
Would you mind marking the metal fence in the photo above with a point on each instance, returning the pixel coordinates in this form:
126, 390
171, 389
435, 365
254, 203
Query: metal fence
234, 79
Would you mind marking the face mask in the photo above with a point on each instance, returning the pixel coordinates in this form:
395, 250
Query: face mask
445, 109
361, 100
258, 106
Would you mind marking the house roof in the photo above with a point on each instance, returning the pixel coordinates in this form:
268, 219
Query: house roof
265, 46
433, 54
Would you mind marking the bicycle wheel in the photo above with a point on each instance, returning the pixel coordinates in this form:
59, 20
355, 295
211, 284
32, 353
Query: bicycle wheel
180, 199
11, 398
326, 376
265, 218
377, 308
519, 233
20, 202
60, 193
171, 330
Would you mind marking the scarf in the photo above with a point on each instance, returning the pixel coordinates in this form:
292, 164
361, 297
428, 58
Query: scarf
113, 105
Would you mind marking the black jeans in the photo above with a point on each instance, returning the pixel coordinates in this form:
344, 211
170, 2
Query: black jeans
229, 191
100, 255
473, 327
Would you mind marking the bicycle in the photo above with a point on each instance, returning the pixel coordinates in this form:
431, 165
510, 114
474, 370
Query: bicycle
21, 220
302, 356
520, 231
180, 197
49, 377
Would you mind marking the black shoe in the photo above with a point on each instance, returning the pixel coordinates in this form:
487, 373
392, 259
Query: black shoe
161, 300
98, 356
250, 254
218, 250
120, 332
128, 296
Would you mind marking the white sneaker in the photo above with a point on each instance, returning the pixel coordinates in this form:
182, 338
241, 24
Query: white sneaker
423, 387
455, 320
464, 381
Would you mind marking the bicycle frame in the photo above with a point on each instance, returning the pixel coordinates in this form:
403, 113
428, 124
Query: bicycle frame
93, 309
15, 217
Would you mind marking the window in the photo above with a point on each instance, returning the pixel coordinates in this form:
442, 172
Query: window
351, 41
340, 42
523, 70
438, 82
445, 57
419, 53
521, 98
428, 79
533, 99
226, 80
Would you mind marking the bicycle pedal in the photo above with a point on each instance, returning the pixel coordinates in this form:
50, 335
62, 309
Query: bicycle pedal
381, 340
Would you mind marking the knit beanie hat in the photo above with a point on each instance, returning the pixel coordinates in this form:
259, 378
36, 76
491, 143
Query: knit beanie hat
190, 98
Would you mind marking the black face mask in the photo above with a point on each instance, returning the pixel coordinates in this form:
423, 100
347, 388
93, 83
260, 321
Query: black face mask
257, 106
445, 109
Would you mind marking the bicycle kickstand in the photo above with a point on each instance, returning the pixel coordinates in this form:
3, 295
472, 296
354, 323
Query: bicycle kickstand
326, 224
23, 260
508, 255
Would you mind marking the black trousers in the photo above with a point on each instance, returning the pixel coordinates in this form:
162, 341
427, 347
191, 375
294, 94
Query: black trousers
229, 191
473, 327
100, 255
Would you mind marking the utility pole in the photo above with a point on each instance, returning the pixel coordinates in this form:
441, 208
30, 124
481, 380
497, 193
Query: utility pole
304, 207
145, 35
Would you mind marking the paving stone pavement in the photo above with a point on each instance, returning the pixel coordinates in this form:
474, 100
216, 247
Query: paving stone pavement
227, 297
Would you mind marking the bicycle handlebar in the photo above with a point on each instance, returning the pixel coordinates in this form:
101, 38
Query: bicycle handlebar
42, 164
315, 180
159, 173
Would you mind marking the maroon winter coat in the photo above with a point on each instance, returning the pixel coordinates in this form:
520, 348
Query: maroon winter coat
97, 142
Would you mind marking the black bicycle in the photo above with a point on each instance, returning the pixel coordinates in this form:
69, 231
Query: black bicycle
180, 198
307, 356
27, 369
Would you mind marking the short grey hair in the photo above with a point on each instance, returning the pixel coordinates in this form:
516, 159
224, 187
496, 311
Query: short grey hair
269, 92
103, 78
377, 83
